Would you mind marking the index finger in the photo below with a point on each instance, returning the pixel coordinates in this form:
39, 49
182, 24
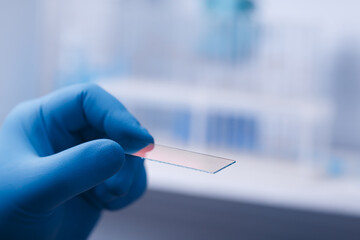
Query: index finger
87, 107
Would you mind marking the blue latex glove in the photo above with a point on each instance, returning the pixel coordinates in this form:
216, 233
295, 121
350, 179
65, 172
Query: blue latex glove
62, 161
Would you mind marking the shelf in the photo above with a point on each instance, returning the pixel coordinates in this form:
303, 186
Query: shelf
257, 179
164, 93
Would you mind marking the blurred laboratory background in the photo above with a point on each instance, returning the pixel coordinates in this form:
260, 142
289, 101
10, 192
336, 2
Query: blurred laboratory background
272, 84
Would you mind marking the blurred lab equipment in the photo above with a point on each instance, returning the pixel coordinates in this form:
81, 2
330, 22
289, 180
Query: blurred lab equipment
225, 51
247, 85
229, 35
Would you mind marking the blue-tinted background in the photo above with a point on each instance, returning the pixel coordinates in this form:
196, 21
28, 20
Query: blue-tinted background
273, 84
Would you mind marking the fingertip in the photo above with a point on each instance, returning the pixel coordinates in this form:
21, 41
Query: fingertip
137, 139
137, 132
146, 136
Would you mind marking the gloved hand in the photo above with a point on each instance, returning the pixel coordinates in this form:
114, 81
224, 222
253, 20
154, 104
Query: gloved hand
62, 161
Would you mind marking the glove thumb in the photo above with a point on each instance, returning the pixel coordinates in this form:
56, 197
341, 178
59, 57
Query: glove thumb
77, 170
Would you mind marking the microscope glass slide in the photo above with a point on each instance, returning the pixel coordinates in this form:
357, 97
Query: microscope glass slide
183, 158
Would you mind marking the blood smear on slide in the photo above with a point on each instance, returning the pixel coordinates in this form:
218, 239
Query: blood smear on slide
183, 158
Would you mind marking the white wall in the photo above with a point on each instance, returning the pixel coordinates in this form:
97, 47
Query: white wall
26, 62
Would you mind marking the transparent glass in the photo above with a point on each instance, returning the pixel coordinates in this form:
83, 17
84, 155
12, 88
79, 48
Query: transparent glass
183, 158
